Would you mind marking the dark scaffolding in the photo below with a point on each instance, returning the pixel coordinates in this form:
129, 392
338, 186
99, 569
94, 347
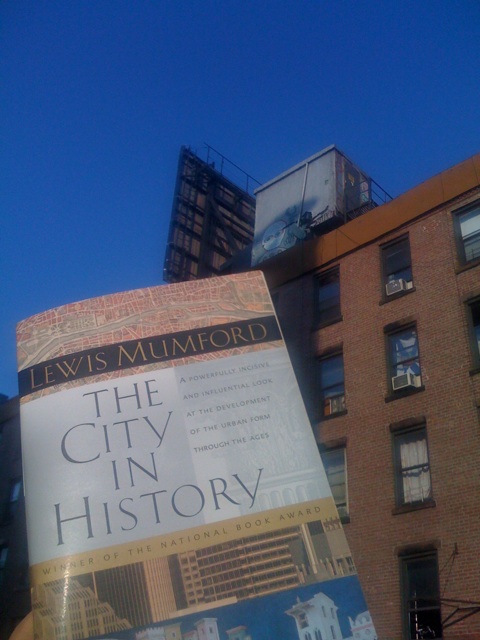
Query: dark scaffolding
212, 218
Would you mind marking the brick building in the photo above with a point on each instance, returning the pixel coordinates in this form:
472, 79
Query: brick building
382, 320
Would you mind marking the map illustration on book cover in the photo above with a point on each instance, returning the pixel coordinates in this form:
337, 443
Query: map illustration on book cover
173, 485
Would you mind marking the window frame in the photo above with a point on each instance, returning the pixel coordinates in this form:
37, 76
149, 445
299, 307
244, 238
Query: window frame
402, 430
386, 272
332, 449
323, 390
391, 332
473, 307
407, 561
332, 313
459, 239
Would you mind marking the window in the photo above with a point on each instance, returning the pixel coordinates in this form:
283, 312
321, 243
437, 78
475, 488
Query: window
334, 461
474, 327
397, 266
3, 559
403, 358
332, 388
327, 297
420, 590
302, 620
13, 497
467, 232
412, 467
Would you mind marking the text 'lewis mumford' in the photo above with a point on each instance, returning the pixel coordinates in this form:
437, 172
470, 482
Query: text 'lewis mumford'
149, 350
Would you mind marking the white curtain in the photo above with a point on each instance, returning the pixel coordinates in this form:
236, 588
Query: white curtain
415, 470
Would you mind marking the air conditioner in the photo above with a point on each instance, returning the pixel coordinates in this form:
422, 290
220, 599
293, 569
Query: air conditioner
395, 286
405, 380
336, 404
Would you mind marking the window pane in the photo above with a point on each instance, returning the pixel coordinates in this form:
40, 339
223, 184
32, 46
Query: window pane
331, 372
470, 231
328, 297
328, 294
397, 261
15, 490
14, 495
404, 353
3, 556
3, 560
425, 624
332, 389
421, 596
475, 311
334, 463
422, 579
413, 467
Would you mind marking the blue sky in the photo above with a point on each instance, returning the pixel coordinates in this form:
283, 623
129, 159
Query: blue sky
97, 96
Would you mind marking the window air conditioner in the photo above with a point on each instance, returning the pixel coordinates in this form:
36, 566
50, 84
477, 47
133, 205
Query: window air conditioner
395, 286
336, 404
405, 380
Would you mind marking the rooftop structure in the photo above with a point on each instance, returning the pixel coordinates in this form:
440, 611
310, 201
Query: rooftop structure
317, 195
212, 218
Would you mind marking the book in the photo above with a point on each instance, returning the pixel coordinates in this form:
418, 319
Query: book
174, 489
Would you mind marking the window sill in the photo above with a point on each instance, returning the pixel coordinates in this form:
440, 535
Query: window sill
394, 296
468, 265
333, 415
474, 372
403, 393
326, 323
417, 506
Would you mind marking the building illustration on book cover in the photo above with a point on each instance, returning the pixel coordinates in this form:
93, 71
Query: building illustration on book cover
173, 485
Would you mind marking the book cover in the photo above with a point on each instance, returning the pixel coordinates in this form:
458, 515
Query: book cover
173, 485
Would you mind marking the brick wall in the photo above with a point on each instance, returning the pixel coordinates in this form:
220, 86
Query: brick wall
449, 401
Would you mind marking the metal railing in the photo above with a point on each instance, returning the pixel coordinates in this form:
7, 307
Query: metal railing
230, 170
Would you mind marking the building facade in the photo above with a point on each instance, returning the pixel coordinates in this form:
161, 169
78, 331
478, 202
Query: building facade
14, 583
316, 619
263, 564
382, 320
83, 614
